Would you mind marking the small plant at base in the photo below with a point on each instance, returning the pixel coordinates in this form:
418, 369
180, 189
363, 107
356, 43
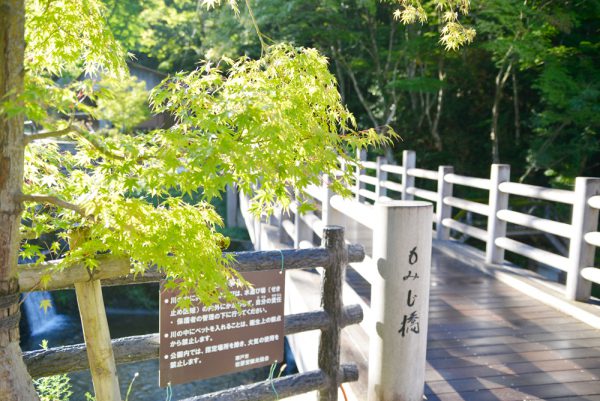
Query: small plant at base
53, 388
131, 385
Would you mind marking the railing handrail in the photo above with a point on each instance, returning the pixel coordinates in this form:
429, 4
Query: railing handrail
423, 173
537, 192
473, 182
496, 211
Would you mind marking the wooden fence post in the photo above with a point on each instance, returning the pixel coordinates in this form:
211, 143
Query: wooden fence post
400, 300
498, 200
381, 176
443, 211
331, 298
581, 254
409, 160
97, 340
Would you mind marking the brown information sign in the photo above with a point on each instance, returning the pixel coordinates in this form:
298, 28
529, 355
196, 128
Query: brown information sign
202, 342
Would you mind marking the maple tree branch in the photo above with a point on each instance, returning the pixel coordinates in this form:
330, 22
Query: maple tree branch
74, 129
49, 134
53, 200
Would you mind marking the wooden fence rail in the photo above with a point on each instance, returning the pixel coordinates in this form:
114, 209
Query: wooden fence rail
113, 271
273, 390
72, 358
103, 354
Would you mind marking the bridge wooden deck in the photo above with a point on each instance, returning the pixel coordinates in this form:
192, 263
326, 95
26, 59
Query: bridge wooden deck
486, 341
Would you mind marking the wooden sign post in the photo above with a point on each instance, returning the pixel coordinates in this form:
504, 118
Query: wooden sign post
206, 341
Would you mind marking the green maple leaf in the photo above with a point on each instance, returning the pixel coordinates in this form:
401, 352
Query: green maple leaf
45, 304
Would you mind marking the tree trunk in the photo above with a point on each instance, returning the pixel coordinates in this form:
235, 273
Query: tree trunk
501, 78
435, 133
15, 382
516, 108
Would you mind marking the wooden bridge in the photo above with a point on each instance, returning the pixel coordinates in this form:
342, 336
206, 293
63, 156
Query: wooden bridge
496, 331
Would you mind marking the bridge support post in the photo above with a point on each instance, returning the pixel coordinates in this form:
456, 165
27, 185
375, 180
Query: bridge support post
400, 300
498, 200
409, 160
443, 211
581, 254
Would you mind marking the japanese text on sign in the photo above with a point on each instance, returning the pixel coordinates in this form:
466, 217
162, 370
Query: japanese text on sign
205, 341
410, 322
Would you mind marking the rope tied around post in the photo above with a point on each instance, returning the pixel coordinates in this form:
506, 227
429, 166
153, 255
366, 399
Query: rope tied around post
8, 300
10, 322
9, 311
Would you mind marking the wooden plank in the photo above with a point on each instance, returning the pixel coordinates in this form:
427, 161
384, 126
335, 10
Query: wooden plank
485, 350
508, 316
504, 313
516, 368
470, 342
508, 331
545, 392
503, 381
467, 325
533, 356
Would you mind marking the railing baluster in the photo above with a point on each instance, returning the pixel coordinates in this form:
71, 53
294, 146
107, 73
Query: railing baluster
409, 160
381, 176
443, 211
329, 347
498, 200
581, 254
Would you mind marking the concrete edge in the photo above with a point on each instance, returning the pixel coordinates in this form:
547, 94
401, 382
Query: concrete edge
525, 281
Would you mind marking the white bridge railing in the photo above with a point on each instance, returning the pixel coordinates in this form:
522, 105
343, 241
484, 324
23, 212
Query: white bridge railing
377, 180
